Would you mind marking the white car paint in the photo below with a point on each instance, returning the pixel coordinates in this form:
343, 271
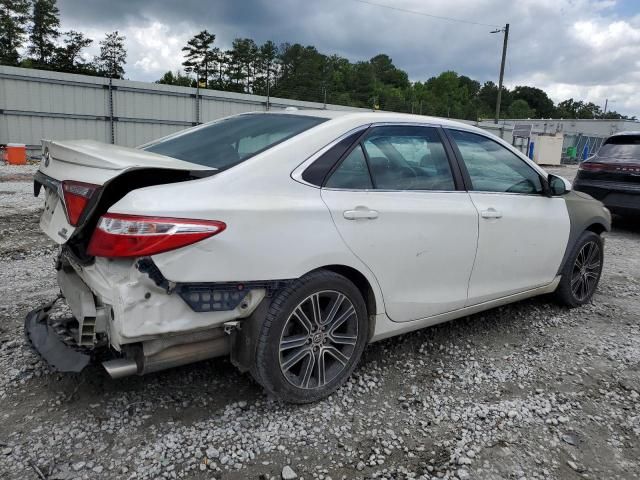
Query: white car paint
420, 246
519, 250
278, 227
96, 162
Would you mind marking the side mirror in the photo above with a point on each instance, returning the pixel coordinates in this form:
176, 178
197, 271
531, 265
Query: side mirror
558, 185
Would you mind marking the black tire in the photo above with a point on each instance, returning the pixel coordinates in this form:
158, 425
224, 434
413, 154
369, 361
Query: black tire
581, 273
283, 328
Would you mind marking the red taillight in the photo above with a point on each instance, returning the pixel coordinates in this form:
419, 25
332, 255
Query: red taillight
615, 167
135, 236
76, 198
591, 166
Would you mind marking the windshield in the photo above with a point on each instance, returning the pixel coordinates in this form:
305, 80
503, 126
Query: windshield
230, 141
623, 147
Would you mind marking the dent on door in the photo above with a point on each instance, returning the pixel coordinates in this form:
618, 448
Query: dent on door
419, 245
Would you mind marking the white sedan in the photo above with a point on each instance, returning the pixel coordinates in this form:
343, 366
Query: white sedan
290, 240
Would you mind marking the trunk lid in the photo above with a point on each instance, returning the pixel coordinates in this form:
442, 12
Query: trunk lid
96, 162
99, 164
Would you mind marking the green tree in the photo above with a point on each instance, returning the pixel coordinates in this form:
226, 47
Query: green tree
44, 31
302, 72
362, 85
13, 28
520, 109
68, 58
588, 110
386, 72
488, 96
266, 68
113, 56
536, 99
170, 78
244, 56
566, 109
200, 56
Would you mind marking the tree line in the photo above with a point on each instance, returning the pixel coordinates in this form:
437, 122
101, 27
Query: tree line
35, 24
287, 70
303, 73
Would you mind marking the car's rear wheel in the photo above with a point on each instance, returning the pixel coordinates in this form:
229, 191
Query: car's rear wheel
312, 338
581, 273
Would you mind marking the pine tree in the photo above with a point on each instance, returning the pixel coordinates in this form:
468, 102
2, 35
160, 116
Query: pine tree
67, 58
200, 56
14, 15
113, 56
44, 31
177, 78
266, 68
244, 58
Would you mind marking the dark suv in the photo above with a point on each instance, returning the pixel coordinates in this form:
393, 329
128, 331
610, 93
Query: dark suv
613, 174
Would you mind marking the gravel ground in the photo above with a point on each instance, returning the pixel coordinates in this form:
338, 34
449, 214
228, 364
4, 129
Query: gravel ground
530, 390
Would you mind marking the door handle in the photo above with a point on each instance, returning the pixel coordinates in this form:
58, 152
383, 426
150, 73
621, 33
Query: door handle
490, 213
360, 213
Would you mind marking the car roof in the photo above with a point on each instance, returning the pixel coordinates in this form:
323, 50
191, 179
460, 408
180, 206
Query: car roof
634, 133
374, 116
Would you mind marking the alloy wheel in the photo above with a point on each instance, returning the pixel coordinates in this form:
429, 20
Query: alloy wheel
586, 271
318, 339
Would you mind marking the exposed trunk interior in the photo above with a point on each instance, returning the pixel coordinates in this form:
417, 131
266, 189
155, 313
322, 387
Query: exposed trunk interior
114, 190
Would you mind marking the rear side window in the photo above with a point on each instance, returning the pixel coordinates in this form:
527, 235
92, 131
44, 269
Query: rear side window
230, 141
403, 157
621, 148
318, 170
352, 173
408, 158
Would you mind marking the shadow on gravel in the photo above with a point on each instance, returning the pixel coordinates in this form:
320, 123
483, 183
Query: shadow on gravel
178, 393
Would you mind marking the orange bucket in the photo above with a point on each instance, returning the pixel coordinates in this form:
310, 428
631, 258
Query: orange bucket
15, 154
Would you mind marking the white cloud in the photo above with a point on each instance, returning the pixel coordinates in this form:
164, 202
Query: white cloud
156, 48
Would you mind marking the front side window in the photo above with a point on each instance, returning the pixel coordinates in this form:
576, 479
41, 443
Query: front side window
493, 168
407, 158
231, 141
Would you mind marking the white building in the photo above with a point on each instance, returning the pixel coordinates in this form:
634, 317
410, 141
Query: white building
569, 126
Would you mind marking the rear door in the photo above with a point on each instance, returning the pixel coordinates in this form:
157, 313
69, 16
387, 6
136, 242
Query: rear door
395, 203
523, 233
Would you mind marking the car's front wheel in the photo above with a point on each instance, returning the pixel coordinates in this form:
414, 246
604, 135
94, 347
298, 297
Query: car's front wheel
312, 338
581, 273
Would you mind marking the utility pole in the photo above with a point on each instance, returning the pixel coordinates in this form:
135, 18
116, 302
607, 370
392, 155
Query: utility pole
504, 30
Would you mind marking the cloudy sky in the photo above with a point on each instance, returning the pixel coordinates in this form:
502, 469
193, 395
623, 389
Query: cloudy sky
587, 49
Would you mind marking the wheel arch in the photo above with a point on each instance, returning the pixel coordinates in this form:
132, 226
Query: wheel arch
585, 214
364, 286
597, 227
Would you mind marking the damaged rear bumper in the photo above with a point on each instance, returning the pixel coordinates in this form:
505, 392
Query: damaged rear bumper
47, 341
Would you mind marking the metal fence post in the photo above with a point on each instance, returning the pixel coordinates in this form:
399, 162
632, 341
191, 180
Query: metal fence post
111, 125
197, 101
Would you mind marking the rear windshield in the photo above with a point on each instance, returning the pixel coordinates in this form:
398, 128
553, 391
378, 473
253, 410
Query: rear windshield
622, 147
230, 141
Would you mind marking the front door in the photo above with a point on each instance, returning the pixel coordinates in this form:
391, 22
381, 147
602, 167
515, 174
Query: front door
395, 204
522, 233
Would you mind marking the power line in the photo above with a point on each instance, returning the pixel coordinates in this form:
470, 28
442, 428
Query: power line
438, 17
